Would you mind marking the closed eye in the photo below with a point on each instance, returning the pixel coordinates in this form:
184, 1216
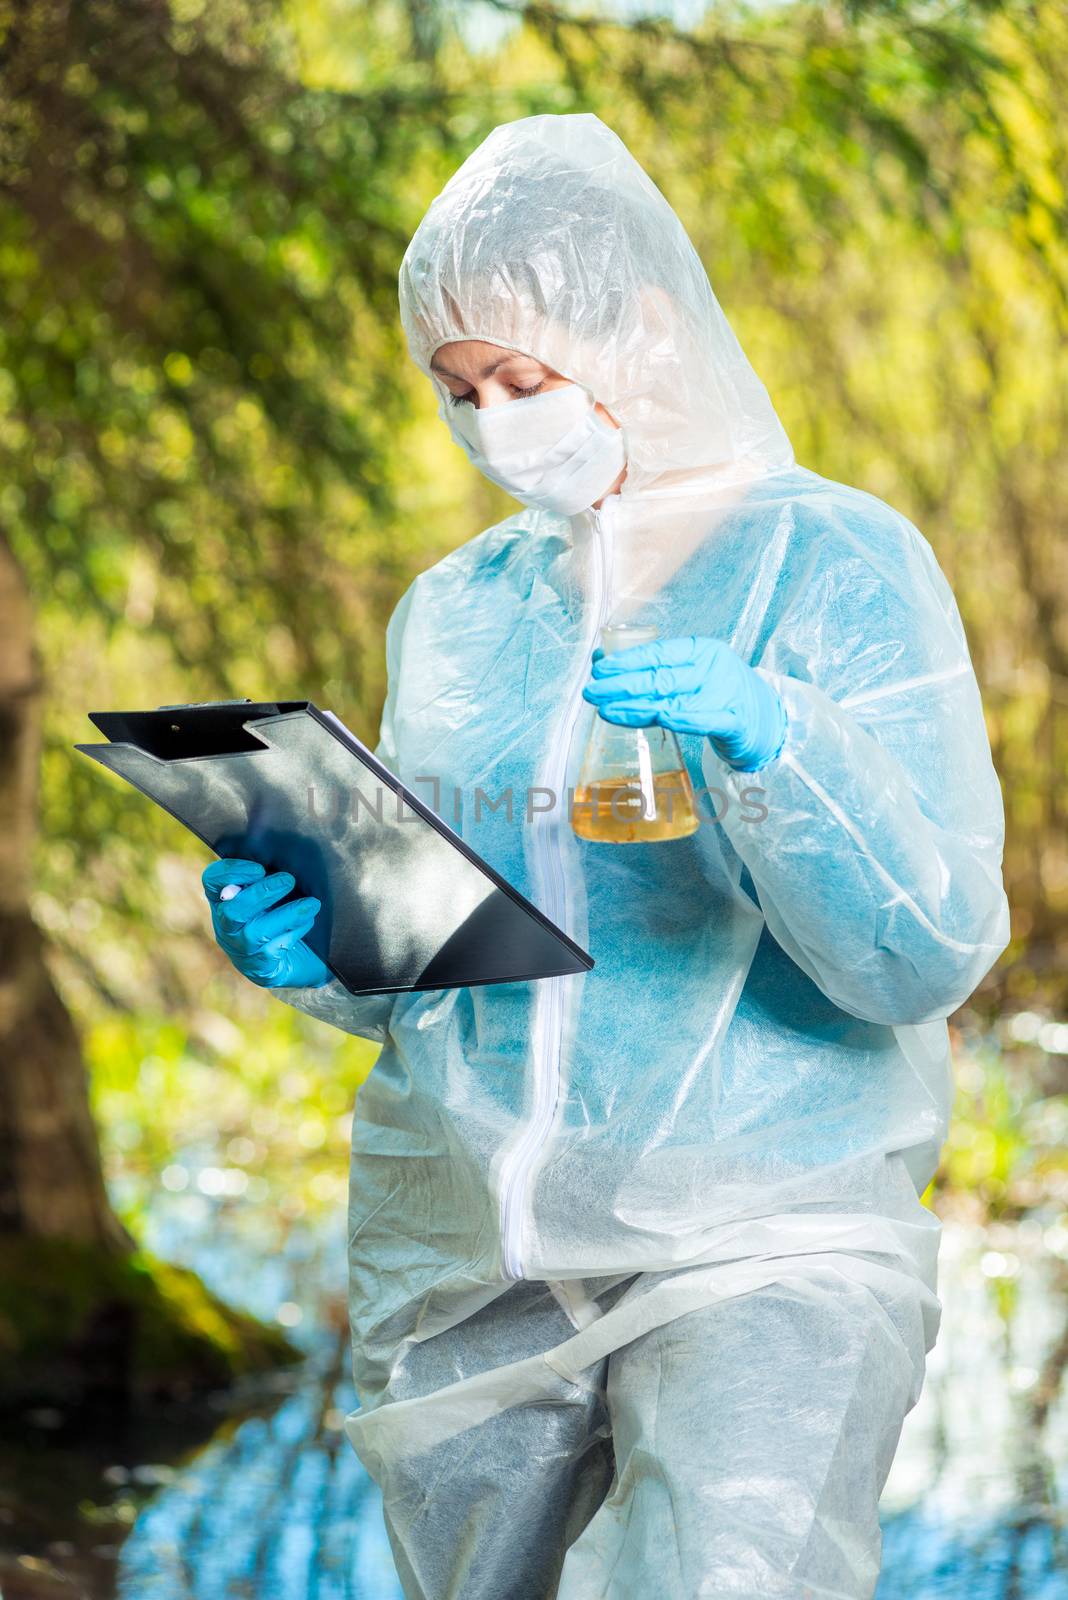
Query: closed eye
459, 399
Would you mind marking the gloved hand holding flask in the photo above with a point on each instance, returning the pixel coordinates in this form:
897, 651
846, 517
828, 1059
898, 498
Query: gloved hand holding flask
692, 685
633, 785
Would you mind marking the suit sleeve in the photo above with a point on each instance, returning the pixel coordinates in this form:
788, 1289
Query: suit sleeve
878, 861
365, 1015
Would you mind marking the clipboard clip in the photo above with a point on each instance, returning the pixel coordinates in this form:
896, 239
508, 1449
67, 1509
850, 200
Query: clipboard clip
190, 705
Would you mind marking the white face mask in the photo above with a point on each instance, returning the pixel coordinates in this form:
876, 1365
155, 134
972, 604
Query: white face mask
550, 450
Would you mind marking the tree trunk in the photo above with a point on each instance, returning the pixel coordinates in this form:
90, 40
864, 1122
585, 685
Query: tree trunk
51, 1182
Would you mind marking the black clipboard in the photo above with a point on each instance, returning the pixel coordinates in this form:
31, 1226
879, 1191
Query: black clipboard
406, 903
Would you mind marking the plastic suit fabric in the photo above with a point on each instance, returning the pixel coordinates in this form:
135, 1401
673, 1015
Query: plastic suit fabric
641, 1283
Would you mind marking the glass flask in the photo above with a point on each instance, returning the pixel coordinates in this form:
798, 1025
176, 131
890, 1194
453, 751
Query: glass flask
633, 786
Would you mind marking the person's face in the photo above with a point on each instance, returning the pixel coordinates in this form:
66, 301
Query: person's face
482, 375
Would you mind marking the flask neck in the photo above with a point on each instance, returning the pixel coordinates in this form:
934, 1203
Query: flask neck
622, 635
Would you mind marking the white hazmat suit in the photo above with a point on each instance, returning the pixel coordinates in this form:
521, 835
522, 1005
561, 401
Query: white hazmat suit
641, 1283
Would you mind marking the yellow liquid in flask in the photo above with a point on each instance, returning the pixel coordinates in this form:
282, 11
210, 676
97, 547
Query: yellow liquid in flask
614, 810
632, 786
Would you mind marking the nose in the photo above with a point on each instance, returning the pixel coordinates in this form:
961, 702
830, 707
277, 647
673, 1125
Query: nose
491, 394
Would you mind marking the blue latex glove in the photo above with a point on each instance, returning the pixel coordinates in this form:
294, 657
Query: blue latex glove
264, 945
692, 685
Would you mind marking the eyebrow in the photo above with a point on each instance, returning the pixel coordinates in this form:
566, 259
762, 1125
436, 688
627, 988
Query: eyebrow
516, 355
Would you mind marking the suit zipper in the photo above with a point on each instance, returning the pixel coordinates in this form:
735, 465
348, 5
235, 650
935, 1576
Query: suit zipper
550, 995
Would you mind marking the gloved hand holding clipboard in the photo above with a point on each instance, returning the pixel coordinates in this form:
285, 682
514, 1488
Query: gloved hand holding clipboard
406, 903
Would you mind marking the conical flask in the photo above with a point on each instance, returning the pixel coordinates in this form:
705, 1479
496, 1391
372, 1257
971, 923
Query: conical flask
633, 786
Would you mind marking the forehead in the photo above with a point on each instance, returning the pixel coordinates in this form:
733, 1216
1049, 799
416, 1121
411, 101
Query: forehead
474, 358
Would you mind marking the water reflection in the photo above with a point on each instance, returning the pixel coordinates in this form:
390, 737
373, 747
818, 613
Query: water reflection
975, 1504
279, 1508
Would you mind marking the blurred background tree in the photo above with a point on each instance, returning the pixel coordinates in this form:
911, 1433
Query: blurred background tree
220, 468
197, 259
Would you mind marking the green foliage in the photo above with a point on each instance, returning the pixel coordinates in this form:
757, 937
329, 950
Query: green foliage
198, 262
987, 1147
1007, 1150
249, 1112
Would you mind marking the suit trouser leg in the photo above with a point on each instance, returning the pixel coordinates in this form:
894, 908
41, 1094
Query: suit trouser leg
488, 1514
752, 1440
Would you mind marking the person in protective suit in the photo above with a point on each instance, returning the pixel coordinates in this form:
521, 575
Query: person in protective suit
641, 1282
